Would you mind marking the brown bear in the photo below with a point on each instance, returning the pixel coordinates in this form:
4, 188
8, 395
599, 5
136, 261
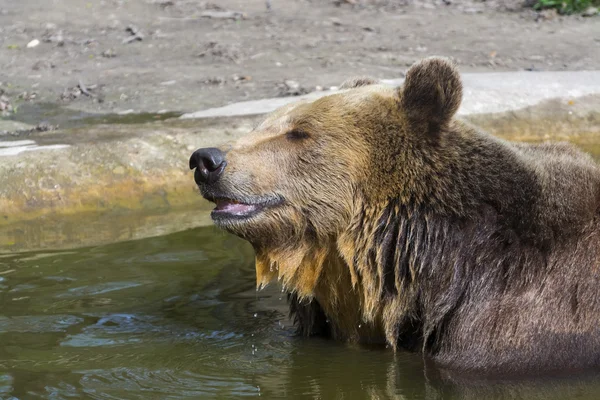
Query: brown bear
389, 221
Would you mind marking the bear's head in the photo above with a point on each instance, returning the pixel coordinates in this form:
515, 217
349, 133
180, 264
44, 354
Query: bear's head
298, 182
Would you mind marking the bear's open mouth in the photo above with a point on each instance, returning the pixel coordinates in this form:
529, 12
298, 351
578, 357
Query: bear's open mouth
234, 207
229, 208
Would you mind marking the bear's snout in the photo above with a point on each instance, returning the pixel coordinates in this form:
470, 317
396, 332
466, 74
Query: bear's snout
209, 163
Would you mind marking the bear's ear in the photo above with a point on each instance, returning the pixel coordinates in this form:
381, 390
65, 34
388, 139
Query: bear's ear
431, 93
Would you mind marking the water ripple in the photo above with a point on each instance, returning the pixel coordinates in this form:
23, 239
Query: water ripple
102, 288
138, 383
38, 323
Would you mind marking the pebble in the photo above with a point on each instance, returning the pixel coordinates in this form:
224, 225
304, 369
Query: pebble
292, 85
110, 53
335, 21
33, 43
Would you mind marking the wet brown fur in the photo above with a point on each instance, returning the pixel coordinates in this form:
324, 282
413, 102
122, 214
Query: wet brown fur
404, 226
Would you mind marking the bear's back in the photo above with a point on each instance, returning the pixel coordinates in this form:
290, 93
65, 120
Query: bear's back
569, 180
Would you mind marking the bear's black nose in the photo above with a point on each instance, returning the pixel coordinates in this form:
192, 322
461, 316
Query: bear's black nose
209, 164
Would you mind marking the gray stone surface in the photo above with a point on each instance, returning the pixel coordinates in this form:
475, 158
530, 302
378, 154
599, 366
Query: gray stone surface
483, 93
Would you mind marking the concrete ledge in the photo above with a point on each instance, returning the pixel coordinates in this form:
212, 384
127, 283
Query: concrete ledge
118, 168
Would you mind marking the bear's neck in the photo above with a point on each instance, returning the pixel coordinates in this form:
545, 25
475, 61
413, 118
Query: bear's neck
318, 277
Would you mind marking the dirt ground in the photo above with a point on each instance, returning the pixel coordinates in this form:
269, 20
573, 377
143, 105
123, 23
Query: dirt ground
185, 55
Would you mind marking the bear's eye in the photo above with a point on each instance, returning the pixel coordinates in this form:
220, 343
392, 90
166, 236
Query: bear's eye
297, 134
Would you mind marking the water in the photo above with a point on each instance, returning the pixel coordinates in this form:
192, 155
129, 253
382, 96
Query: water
177, 317
33, 113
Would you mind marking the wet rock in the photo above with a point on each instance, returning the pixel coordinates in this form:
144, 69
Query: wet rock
75, 92
45, 127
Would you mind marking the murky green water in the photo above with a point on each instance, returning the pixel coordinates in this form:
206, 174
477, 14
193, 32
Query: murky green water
178, 317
